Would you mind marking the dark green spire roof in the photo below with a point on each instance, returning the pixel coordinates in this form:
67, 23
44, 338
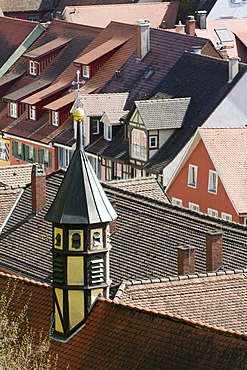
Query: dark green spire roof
80, 198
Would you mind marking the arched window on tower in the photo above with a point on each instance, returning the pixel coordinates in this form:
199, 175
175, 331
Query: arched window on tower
76, 241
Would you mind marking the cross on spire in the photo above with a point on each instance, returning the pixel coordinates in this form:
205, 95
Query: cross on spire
78, 89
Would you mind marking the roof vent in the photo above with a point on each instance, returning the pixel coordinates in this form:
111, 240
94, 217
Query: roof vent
201, 18
233, 68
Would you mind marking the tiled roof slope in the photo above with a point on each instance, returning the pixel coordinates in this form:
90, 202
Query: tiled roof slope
146, 186
60, 70
20, 6
216, 300
15, 176
63, 3
226, 147
203, 79
163, 113
133, 338
143, 78
8, 197
160, 14
144, 245
12, 33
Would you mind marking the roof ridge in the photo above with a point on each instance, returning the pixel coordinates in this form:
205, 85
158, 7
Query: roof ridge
175, 317
25, 279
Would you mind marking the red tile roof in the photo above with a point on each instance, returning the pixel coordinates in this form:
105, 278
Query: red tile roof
159, 14
118, 336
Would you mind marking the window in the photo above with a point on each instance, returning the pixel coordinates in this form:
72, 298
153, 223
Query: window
44, 157
224, 35
95, 126
30, 153
226, 216
65, 156
86, 71
138, 144
108, 170
96, 239
54, 116
192, 176
126, 171
32, 68
212, 181
32, 112
95, 163
17, 149
13, 110
153, 142
212, 212
108, 132
4, 151
177, 202
194, 207
76, 241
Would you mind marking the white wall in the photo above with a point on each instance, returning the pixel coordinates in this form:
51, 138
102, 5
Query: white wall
228, 8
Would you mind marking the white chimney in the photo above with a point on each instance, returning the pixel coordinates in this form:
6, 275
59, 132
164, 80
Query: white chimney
201, 17
143, 38
180, 28
233, 68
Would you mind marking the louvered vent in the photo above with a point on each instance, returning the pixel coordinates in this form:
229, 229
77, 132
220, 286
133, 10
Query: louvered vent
97, 270
58, 269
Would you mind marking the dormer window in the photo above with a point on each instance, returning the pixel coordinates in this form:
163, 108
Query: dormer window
138, 144
108, 132
54, 118
153, 142
13, 110
33, 67
32, 112
95, 126
86, 71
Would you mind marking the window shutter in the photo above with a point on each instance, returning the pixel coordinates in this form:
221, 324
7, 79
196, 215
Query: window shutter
25, 152
34, 155
14, 148
39, 156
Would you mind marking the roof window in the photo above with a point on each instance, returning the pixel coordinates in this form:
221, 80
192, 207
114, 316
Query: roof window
224, 35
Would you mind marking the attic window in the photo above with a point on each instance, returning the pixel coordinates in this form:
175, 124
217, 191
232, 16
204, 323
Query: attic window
54, 118
86, 71
32, 112
224, 35
108, 132
33, 67
13, 110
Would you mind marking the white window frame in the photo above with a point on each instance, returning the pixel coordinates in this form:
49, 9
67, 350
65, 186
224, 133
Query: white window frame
32, 68
194, 207
212, 185
32, 112
245, 221
86, 71
177, 202
19, 148
2, 151
155, 145
226, 216
192, 176
108, 132
212, 212
97, 121
55, 116
13, 110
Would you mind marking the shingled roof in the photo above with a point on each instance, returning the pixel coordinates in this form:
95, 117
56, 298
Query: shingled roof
63, 3
143, 246
133, 337
20, 6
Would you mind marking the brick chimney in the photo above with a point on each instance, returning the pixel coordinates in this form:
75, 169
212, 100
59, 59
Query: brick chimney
113, 224
143, 38
233, 68
180, 28
214, 252
38, 187
191, 25
186, 260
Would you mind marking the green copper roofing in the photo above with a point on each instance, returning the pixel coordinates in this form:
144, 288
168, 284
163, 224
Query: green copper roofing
80, 198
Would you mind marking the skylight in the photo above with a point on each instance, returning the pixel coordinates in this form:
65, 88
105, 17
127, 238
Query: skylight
224, 35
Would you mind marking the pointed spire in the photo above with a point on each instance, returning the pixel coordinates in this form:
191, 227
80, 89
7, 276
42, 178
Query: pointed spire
80, 198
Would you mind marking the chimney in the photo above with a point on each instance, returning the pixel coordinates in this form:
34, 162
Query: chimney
143, 38
197, 49
191, 25
186, 260
180, 28
233, 67
214, 253
113, 223
201, 18
38, 187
